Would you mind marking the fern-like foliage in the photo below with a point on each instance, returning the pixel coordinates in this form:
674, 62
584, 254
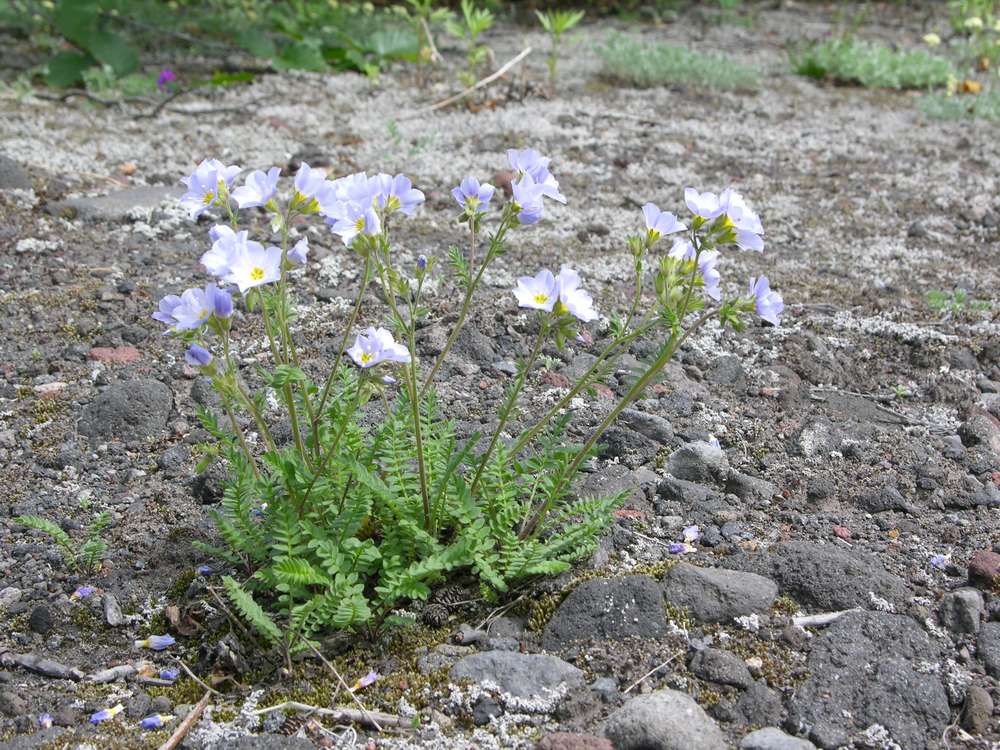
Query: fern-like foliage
84, 557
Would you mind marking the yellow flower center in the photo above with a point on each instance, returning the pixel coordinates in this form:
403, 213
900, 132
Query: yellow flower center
208, 199
366, 357
392, 204
257, 273
541, 299
560, 308
203, 314
360, 224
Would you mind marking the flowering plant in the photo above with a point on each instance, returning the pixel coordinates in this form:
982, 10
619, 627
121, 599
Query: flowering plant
342, 523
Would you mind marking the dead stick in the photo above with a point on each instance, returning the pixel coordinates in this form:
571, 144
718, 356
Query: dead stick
651, 672
196, 678
365, 718
185, 726
474, 87
342, 683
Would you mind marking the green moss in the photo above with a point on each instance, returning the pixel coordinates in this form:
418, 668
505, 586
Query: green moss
179, 587
680, 616
785, 605
184, 690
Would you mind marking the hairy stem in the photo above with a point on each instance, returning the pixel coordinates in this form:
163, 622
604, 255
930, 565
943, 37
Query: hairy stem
231, 370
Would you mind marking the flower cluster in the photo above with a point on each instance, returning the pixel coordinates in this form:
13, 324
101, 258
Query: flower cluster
560, 294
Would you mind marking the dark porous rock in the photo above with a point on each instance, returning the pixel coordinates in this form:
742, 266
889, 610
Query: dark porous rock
12, 704
172, 460
571, 741
746, 487
128, 410
12, 177
652, 426
41, 620
961, 611
772, 738
988, 648
984, 568
208, 486
204, 394
686, 493
722, 667
716, 594
977, 710
521, 675
981, 429
882, 500
608, 608
826, 577
727, 370
872, 668
485, 710
663, 720
632, 448
697, 462
759, 704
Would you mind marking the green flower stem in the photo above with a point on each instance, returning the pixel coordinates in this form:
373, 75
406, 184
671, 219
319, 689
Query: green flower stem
321, 469
508, 408
581, 384
231, 372
286, 390
534, 524
351, 321
411, 378
496, 245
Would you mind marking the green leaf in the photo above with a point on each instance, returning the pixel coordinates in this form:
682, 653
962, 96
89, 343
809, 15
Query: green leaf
304, 55
111, 49
252, 611
75, 20
256, 42
299, 572
66, 69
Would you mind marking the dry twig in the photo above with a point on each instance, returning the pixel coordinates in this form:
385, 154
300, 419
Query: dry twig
197, 679
185, 726
365, 718
474, 87
343, 684
653, 671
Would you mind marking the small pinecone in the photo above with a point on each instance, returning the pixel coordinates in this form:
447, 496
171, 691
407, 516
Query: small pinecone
293, 724
451, 596
435, 614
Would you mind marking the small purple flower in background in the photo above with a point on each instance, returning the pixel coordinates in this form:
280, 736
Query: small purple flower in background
528, 162
691, 534
298, 253
745, 222
376, 346
572, 298
156, 642
660, 223
679, 548
155, 721
421, 262
389, 380
714, 442
198, 356
768, 303
106, 714
258, 189
528, 200
350, 219
709, 274
397, 194
252, 266
705, 205
166, 77
939, 561
368, 679
45, 721
204, 184
538, 292
472, 196
82, 593
169, 674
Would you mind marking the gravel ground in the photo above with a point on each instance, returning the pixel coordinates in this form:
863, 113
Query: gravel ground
858, 441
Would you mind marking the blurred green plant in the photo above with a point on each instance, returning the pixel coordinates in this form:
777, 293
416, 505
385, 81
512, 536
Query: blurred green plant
556, 23
961, 11
873, 65
468, 28
424, 15
955, 302
984, 106
82, 35
646, 64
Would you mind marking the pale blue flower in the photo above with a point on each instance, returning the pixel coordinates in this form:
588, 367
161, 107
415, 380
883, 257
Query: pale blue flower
538, 292
679, 548
155, 721
572, 298
709, 274
375, 346
691, 534
682, 249
350, 219
252, 265
705, 205
939, 561
363, 682
531, 163
299, 252
714, 442
82, 593
45, 721
258, 189
165, 313
198, 356
397, 194
196, 306
767, 302
226, 245
168, 673
309, 183
660, 223
156, 642
421, 262
528, 200
106, 714
745, 223
355, 188
207, 186
472, 196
